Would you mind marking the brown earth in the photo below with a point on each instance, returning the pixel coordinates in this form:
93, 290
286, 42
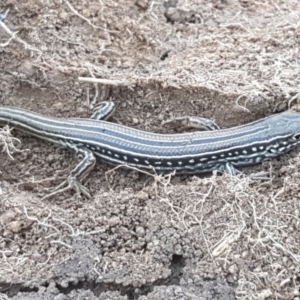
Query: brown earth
141, 237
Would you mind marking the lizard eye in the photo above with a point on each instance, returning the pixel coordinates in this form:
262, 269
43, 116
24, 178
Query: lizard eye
296, 136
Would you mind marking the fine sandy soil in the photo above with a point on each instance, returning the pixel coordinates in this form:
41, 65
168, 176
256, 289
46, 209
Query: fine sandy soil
142, 236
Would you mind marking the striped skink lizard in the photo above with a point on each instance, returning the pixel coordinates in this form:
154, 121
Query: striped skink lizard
184, 153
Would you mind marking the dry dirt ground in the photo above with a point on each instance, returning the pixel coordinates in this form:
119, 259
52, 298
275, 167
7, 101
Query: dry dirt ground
144, 237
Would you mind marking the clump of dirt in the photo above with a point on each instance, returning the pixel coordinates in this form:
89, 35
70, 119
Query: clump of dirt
141, 236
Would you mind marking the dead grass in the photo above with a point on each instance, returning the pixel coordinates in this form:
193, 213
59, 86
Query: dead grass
7, 141
249, 231
248, 235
